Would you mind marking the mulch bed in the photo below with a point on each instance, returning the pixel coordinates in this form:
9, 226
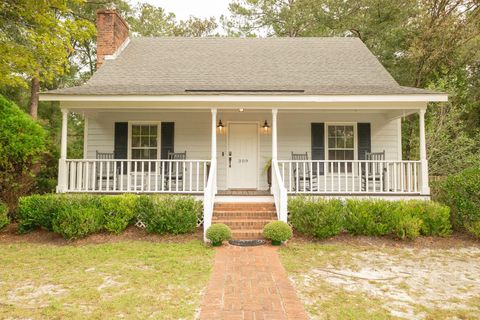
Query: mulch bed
456, 240
41, 236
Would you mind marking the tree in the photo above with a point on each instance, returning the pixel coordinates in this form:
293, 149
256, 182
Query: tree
35, 42
22, 146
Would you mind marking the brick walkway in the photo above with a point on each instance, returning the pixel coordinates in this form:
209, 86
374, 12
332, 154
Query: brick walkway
250, 283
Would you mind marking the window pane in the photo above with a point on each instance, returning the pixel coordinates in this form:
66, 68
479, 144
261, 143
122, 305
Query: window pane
135, 130
331, 155
331, 131
152, 154
153, 141
340, 143
349, 142
135, 142
153, 130
349, 155
136, 154
331, 142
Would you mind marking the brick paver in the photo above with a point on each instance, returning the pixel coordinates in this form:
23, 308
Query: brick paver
250, 283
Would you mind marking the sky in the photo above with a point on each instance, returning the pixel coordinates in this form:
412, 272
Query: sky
183, 9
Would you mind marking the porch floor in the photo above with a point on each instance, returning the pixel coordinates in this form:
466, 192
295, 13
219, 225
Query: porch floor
243, 193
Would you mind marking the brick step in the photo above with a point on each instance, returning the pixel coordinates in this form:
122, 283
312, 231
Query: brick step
242, 224
217, 214
247, 234
236, 206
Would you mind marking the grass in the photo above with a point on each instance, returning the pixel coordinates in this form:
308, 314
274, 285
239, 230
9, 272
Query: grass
345, 281
130, 280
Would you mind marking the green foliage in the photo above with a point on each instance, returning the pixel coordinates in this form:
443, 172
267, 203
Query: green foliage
370, 218
218, 232
277, 231
403, 219
74, 222
319, 218
169, 214
75, 216
3, 215
119, 212
22, 145
461, 192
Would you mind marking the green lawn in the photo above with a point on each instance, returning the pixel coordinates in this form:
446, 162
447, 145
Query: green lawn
345, 281
130, 280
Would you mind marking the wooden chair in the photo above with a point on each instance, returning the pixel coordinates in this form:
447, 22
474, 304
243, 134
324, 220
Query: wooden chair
175, 171
304, 174
373, 172
102, 175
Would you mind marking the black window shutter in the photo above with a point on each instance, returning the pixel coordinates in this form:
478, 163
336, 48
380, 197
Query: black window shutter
168, 139
318, 143
120, 150
364, 140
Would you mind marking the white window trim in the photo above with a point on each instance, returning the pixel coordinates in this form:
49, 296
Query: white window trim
145, 123
355, 137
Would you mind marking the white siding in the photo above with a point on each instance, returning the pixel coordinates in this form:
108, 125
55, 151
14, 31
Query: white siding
192, 133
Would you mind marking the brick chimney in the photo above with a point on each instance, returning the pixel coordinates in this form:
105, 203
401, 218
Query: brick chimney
112, 32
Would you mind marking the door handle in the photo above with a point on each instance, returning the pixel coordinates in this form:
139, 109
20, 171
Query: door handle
230, 159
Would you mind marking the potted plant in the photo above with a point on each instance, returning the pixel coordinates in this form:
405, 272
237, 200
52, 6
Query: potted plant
268, 169
217, 233
277, 232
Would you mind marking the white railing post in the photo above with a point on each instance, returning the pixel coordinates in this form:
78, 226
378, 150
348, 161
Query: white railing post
424, 189
62, 163
214, 140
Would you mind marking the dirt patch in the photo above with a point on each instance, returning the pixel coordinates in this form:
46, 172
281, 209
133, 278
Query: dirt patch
132, 233
30, 294
410, 282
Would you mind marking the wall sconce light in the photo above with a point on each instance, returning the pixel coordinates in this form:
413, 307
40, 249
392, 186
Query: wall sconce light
240, 109
265, 126
220, 125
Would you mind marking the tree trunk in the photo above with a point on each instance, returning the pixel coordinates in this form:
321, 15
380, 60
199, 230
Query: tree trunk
34, 97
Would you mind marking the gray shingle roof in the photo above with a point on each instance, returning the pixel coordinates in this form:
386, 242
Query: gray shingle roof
311, 66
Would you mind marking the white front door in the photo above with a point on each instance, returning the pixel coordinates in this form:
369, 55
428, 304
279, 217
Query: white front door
242, 157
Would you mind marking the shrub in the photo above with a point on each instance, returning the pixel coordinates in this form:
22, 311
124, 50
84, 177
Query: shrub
74, 222
435, 217
217, 233
461, 192
169, 214
22, 145
119, 212
369, 217
38, 211
277, 231
3, 215
319, 218
404, 225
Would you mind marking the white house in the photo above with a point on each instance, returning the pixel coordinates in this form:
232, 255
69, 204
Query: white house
205, 116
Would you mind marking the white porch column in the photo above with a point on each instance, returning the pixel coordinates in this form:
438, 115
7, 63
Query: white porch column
424, 188
62, 165
274, 135
214, 134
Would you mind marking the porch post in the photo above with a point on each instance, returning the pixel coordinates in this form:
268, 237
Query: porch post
274, 134
213, 156
425, 189
62, 164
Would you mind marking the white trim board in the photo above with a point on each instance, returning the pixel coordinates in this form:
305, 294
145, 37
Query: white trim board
45, 96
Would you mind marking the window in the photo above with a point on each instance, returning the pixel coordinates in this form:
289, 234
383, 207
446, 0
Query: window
144, 141
341, 144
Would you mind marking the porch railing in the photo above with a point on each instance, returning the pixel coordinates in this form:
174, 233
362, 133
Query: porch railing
149, 176
350, 177
209, 198
279, 192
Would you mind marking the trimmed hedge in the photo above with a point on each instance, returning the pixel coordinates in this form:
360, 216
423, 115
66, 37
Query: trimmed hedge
3, 215
461, 192
320, 218
403, 219
75, 216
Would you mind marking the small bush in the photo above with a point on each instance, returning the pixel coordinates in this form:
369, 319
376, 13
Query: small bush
218, 232
405, 225
277, 231
461, 192
3, 215
74, 222
38, 211
119, 212
369, 217
319, 218
435, 217
169, 214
